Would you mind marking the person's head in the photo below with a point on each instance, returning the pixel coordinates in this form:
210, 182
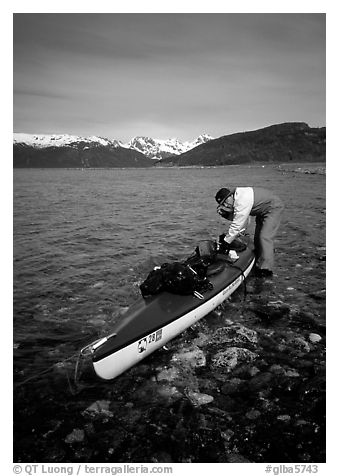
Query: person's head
224, 198
222, 195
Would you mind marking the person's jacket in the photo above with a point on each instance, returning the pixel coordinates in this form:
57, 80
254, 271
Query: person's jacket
249, 201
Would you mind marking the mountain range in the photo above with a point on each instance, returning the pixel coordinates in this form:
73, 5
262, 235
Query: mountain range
293, 141
151, 148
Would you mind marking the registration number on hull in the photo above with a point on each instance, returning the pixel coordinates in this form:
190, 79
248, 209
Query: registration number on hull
231, 286
149, 340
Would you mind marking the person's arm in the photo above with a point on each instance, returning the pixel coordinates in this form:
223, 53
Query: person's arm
243, 203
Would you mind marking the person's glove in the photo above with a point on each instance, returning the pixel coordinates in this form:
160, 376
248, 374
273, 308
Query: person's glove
223, 246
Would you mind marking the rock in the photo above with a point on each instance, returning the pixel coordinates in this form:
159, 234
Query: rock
227, 435
82, 454
235, 335
100, 407
133, 416
260, 381
292, 373
319, 295
219, 413
277, 369
89, 429
253, 414
203, 422
305, 457
227, 403
77, 436
268, 405
208, 385
237, 458
169, 374
170, 393
194, 357
161, 457
201, 340
273, 310
294, 310
264, 394
55, 425
283, 417
199, 399
253, 371
232, 386
279, 307
218, 376
54, 454
244, 371
299, 343
314, 338
301, 423
140, 370
304, 364
228, 359
181, 373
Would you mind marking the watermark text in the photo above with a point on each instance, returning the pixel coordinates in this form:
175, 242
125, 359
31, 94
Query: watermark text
84, 469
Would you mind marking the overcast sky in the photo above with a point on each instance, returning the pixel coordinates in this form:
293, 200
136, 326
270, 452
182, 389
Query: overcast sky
167, 75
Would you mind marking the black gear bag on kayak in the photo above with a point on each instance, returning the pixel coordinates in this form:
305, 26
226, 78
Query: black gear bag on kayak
207, 251
176, 278
153, 284
183, 277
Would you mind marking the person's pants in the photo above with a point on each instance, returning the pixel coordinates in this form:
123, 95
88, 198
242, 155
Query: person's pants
265, 230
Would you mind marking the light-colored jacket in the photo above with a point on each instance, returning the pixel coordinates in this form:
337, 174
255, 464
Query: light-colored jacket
248, 201
243, 204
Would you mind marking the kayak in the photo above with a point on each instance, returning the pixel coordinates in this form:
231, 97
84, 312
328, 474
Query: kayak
152, 322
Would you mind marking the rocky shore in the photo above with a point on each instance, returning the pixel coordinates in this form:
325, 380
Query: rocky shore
303, 169
246, 384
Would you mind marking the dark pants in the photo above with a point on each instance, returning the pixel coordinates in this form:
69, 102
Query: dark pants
265, 230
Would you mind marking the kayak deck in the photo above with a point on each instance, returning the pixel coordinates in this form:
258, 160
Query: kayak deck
146, 316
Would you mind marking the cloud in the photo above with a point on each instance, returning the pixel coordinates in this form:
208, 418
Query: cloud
39, 94
176, 70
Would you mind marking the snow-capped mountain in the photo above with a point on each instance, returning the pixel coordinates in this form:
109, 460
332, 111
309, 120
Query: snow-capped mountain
61, 140
159, 148
151, 148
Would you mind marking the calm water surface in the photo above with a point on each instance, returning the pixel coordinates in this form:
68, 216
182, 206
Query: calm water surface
85, 239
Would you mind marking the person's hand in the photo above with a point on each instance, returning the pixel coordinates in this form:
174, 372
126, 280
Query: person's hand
224, 247
227, 214
221, 238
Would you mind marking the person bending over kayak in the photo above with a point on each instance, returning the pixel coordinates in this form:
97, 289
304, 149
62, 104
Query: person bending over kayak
236, 205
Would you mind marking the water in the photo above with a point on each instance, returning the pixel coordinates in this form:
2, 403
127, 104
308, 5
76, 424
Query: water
83, 242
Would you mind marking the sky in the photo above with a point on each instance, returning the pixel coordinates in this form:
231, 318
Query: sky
164, 75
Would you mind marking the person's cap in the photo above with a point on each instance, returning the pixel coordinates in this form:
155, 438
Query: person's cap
222, 194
